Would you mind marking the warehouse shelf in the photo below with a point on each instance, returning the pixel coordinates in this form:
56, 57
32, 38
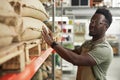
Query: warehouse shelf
30, 69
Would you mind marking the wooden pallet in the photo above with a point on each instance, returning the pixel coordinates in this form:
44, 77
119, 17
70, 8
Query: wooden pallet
44, 45
12, 57
32, 48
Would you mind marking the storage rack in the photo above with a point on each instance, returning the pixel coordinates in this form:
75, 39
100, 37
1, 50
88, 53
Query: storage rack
30, 66
30, 69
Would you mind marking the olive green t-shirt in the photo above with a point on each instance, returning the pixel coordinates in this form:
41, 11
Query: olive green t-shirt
102, 53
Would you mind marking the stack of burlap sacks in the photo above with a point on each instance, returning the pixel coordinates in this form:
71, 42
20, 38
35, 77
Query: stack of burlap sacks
32, 14
21, 20
8, 23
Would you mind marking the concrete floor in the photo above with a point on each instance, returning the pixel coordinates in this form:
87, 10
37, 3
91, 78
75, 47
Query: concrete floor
113, 72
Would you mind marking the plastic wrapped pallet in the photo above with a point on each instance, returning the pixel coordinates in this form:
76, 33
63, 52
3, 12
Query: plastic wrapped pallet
31, 29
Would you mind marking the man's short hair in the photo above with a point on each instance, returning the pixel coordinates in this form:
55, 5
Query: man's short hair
106, 13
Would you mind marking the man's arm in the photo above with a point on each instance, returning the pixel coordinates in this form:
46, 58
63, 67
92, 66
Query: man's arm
76, 50
82, 59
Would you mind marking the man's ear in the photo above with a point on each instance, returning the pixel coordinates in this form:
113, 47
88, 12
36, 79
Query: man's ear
106, 27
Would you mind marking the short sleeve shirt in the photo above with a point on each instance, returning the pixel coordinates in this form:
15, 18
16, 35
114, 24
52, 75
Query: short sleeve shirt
102, 53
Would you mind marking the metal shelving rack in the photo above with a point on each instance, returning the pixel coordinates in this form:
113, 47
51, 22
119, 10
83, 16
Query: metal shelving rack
36, 62
30, 69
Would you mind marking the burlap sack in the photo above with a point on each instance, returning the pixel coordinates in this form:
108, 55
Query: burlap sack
5, 41
29, 12
9, 19
7, 14
31, 29
6, 31
30, 8
57, 27
17, 5
30, 34
5, 6
36, 4
29, 22
44, 1
35, 9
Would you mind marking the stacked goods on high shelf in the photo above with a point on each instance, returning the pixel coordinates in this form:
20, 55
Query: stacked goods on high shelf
32, 14
21, 24
7, 23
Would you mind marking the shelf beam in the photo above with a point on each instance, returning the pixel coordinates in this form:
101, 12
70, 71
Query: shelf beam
30, 69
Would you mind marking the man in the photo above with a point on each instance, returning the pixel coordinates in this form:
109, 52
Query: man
94, 56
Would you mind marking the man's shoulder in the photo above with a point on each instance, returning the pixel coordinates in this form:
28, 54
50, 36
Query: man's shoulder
103, 44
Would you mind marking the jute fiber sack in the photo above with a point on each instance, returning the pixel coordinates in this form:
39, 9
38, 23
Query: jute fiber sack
7, 14
31, 29
17, 5
6, 35
35, 9
8, 23
6, 31
9, 19
5, 41
45, 1
57, 27
5, 6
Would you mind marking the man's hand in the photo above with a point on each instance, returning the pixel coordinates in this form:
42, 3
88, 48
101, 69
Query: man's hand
47, 35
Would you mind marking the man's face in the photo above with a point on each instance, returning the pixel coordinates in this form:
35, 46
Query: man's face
97, 26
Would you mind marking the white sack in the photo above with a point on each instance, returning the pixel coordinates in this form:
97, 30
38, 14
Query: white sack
5, 41
17, 5
35, 9
29, 12
31, 29
6, 31
5, 6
